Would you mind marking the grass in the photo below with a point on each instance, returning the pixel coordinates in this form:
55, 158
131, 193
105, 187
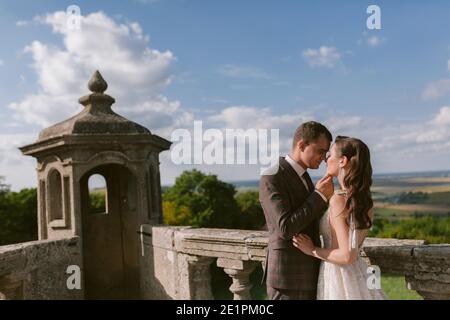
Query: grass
395, 288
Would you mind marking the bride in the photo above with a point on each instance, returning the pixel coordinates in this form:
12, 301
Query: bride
343, 273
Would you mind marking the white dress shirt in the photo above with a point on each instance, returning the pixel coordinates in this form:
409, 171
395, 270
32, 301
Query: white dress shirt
300, 171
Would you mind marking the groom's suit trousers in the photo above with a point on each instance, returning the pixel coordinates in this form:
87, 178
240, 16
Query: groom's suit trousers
286, 294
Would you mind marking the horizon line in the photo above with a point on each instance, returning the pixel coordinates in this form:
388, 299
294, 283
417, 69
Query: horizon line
375, 174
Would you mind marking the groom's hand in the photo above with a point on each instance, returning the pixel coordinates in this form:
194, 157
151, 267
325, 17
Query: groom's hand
325, 186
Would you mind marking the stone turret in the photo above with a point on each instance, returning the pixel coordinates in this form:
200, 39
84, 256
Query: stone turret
98, 141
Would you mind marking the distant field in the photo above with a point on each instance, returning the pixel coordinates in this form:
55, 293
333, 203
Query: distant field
249, 188
413, 207
387, 189
390, 189
423, 183
393, 214
428, 180
432, 189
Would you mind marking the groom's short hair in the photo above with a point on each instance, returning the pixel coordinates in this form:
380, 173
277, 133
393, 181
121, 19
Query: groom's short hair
310, 132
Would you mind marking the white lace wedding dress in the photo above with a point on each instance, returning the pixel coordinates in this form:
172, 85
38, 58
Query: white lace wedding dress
343, 282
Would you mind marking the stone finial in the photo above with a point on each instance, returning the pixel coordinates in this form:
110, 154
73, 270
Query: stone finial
97, 84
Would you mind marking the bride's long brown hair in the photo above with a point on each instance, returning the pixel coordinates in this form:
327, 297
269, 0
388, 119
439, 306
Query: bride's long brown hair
357, 179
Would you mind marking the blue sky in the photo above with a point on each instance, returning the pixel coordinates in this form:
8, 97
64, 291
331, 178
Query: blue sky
248, 64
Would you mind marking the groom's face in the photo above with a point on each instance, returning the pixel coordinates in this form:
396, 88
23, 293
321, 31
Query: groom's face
315, 152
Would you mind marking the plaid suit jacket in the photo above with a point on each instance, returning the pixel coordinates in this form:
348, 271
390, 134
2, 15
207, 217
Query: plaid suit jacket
289, 208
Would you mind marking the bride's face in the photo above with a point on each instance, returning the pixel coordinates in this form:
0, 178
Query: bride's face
333, 162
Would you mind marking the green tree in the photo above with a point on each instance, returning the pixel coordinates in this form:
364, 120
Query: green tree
18, 215
4, 188
251, 214
176, 215
412, 197
201, 200
431, 229
97, 202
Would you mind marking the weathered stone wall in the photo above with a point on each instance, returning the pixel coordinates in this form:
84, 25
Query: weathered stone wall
37, 269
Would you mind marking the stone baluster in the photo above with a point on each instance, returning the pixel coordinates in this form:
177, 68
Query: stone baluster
239, 271
195, 277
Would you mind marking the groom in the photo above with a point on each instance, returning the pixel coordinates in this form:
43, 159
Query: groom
292, 204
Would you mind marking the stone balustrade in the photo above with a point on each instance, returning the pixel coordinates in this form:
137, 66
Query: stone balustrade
186, 253
176, 264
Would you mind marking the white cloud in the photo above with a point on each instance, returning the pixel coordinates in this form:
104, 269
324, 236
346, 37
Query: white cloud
247, 117
325, 56
448, 65
9, 143
234, 71
436, 89
443, 117
416, 138
251, 117
43, 110
22, 23
1, 62
371, 40
135, 72
343, 123
17, 169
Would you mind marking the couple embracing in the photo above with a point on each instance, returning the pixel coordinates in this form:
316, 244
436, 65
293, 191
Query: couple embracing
300, 214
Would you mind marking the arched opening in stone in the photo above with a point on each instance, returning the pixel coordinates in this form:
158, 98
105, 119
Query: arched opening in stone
54, 194
98, 194
111, 241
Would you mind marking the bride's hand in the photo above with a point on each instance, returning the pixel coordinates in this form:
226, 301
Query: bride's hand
304, 243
